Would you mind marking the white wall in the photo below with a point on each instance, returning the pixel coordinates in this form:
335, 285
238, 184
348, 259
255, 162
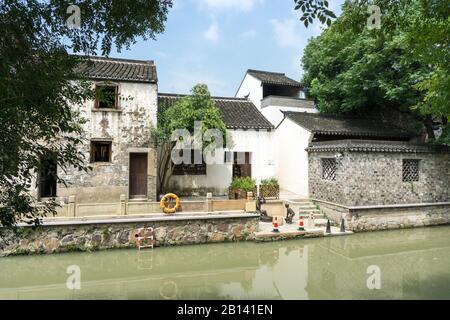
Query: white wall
253, 88
291, 140
219, 176
274, 114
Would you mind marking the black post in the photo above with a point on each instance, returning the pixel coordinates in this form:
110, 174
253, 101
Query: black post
328, 227
342, 225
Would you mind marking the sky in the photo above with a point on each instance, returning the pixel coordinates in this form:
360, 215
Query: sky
216, 41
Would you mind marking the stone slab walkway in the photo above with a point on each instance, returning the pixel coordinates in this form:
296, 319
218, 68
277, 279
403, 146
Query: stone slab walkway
290, 231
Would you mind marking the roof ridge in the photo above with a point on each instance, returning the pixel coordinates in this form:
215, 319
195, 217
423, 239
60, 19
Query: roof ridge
162, 94
263, 71
334, 116
116, 60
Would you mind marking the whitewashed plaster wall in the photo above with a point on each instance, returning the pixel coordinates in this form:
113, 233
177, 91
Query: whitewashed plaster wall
253, 88
219, 176
291, 157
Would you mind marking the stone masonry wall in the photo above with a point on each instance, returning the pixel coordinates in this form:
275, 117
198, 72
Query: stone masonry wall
128, 128
388, 217
86, 237
375, 178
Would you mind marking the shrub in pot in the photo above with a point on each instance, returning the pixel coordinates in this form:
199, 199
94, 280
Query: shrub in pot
240, 186
269, 188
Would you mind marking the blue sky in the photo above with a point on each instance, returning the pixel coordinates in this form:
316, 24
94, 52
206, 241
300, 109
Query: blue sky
216, 41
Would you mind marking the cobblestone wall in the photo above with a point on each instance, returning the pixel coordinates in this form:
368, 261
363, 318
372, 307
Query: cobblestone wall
388, 217
52, 239
375, 178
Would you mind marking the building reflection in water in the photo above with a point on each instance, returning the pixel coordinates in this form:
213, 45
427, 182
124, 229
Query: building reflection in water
413, 264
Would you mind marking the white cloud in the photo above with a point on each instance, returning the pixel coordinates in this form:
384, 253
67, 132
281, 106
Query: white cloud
212, 33
249, 33
287, 32
238, 5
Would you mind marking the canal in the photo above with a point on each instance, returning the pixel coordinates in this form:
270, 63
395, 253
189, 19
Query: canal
402, 264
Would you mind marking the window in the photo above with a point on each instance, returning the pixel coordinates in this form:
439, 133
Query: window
47, 178
101, 151
410, 170
106, 97
191, 169
329, 168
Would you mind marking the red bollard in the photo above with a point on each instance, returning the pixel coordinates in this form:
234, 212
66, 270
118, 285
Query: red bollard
275, 227
301, 226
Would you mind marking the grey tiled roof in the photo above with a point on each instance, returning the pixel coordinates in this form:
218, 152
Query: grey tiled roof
237, 113
372, 146
275, 78
335, 125
102, 68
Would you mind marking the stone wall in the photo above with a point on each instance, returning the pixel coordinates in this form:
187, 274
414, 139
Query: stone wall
128, 129
374, 218
375, 178
108, 235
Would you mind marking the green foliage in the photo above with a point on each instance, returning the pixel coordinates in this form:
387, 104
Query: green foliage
37, 90
246, 184
313, 9
402, 67
199, 106
273, 182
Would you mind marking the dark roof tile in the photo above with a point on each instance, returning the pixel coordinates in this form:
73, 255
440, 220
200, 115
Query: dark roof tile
336, 125
102, 68
237, 113
374, 146
274, 78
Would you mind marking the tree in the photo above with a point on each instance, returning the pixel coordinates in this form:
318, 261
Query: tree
37, 90
182, 115
351, 69
314, 9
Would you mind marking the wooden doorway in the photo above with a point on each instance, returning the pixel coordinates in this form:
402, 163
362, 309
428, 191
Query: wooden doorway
47, 178
242, 166
138, 175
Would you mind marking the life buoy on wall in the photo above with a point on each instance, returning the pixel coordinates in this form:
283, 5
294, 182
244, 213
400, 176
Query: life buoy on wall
165, 201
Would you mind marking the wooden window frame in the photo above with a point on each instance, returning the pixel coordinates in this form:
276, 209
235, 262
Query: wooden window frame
92, 150
190, 169
116, 96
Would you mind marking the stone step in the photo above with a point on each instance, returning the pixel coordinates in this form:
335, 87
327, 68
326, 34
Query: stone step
306, 216
303, 206
302, 203
323, 222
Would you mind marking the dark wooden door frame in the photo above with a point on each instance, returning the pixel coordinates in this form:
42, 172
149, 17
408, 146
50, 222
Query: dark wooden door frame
132, 176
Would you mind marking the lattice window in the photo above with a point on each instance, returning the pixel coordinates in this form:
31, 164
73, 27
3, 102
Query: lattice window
329, 168
411, 170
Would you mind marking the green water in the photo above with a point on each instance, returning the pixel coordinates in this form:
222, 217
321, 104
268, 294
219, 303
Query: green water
413, 264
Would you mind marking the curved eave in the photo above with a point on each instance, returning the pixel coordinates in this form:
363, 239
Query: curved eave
372, 149
361, 134
121, 79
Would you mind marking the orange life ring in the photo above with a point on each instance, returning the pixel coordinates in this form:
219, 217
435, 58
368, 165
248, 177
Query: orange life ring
165, 199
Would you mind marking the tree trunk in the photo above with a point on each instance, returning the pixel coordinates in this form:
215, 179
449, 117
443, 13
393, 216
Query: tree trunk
429, 127
165, 167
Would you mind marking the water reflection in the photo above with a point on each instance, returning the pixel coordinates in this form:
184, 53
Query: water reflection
414, 264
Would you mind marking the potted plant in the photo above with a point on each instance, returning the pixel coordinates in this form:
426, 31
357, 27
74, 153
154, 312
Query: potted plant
240, 186
269, 188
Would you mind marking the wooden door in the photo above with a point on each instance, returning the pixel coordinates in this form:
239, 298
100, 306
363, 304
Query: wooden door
138, 175
47, 179
243, 169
